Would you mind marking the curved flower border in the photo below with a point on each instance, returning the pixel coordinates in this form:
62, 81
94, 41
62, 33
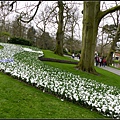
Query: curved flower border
27, 67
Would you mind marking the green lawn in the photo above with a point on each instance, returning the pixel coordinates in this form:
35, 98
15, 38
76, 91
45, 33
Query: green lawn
20, 100
50, 54
105, 77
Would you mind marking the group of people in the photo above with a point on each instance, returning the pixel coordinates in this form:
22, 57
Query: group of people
100, 61
77, 55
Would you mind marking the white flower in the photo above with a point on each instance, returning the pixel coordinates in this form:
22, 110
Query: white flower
76, 97
28, 67
104, 108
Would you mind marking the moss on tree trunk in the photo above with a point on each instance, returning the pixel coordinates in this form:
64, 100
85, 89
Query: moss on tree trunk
60, 32
91, 19
89, 36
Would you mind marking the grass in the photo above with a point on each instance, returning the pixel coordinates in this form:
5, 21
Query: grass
1, 47
105, 77
50, 54
20, 100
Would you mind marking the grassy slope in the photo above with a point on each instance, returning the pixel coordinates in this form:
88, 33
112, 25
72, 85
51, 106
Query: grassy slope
50, 54
19, 100
106, 77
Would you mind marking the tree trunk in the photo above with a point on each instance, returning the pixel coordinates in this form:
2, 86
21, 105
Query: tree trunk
113, 45
91, 19
89, 36
60, 32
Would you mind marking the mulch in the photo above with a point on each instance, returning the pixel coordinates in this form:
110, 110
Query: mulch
57, 60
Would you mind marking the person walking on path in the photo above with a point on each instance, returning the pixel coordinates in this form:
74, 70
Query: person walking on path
104, 62
73, 55
100, 61
97, 60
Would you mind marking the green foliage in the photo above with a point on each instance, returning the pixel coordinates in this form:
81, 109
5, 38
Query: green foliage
5, 34
110, 29
116, 61
66, 52
21, 41
1, 47
46, 41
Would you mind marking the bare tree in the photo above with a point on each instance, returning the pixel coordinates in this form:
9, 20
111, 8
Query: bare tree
92, 16
60, 20
42, 20
25, 16
110, 31
60, 32
113, 45
116, 36
4, 12
102, 38
71, 23
69, 19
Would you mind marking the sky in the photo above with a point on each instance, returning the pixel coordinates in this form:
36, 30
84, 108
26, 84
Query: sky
21, 4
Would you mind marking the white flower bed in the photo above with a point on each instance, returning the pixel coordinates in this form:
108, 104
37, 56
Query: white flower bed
27, 67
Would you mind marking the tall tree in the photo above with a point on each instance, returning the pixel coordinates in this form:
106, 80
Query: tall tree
31, 35
92, 16
18, 29
60, 32
42, 20
115, 35
104, 40
113, 45
71, 23
4, 12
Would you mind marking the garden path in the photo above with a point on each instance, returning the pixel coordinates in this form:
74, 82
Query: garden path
110, 69
113, 70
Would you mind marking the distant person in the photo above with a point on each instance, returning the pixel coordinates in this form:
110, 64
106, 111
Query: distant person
73, 55
104, 62
97, 60
100, 61
78, 56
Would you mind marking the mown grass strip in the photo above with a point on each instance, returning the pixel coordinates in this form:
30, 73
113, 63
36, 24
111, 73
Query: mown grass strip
20, 100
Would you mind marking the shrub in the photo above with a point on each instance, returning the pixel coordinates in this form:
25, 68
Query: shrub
21, 41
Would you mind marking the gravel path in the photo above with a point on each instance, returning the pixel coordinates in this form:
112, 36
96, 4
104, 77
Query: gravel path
113, 70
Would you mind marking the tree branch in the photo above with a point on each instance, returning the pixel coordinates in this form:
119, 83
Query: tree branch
11, 5
112, 15
20, 18
110, 10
